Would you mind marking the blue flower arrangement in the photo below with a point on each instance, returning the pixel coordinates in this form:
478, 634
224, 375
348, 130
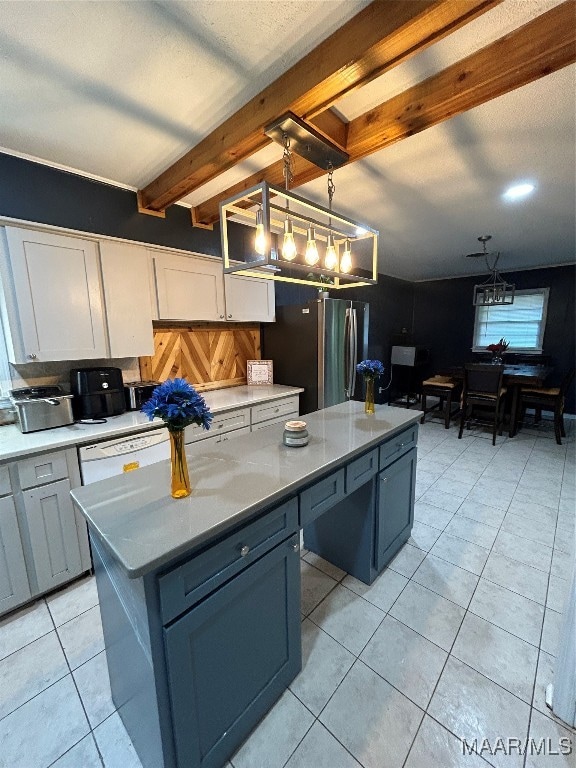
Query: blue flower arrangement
178, 404
370, 369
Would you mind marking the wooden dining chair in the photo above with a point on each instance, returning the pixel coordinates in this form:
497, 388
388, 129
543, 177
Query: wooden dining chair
483, 391
447, 390
548, 399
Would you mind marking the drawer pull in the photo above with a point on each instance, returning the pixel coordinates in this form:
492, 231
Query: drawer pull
384, 479
296, 547
276, 410
220, 425
244, 550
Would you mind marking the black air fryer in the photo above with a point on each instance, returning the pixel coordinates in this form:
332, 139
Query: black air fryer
98, 392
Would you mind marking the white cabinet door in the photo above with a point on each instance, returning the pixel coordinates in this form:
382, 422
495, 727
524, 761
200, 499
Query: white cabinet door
249, 299
14, 587
189, 288
53, 534
58, 312
126, 279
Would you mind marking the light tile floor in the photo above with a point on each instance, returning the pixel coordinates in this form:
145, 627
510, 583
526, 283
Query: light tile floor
455, 640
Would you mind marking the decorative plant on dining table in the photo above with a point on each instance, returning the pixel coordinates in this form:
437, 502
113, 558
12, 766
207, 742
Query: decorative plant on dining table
371, 370
498, 350
178, 404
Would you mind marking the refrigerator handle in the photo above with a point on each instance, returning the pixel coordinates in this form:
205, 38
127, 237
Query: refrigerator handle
347, 351
354, 350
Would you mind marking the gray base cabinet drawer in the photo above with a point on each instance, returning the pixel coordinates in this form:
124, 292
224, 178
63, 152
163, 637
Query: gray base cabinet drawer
14, 586
315, 500
398, 446
221, 423
192, 581
275, 409
214, 439
42, 469
53, 534
361, 470
271, 422
232, 656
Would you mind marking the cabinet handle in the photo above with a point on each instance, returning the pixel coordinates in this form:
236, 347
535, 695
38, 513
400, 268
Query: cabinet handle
220, 425
276, 410
32, 356
244, 551
296, 547
229, 317
384, 479
221, 317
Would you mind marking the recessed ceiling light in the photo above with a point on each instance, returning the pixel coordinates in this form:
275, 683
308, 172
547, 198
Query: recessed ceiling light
518, 192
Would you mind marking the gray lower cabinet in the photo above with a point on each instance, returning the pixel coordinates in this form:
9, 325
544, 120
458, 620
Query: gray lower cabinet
14, 586
53, 535
359, 517
395, 510
43, 539
231, 657
199, 650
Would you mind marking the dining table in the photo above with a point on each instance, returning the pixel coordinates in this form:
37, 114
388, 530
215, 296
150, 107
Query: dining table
515, 376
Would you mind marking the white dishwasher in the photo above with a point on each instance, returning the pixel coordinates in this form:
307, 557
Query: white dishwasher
123, 454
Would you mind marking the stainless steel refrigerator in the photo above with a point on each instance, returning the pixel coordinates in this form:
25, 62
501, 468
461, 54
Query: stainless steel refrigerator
317, 346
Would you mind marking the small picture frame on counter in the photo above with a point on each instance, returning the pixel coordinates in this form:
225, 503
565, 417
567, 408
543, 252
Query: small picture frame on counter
259, 372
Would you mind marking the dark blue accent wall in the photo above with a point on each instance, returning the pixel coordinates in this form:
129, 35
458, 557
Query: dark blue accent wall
37, 193
439, 314
444, 318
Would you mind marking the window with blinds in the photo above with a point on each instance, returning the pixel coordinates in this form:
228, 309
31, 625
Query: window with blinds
521, 323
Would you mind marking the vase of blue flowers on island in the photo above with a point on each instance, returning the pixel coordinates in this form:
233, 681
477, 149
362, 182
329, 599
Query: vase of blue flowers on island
371, 370
178, 404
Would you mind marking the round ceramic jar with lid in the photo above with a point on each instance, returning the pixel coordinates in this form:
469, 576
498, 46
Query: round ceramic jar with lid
295, 434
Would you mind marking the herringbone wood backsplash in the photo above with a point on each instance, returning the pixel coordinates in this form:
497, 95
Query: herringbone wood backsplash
208, 357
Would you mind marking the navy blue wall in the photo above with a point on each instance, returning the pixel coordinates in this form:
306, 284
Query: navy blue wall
439, 314
444, 318
35, 192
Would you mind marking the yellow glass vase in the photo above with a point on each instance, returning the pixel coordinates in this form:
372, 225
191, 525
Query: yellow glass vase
369, 401
180, 480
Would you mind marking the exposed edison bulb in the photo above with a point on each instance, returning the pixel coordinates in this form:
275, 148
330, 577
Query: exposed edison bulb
346, 260
288, 244
311, 256
331, 257
260, 236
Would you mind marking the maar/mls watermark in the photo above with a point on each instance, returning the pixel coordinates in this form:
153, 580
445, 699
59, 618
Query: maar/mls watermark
514, 746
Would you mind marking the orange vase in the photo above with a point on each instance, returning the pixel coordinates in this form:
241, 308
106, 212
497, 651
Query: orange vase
180, 480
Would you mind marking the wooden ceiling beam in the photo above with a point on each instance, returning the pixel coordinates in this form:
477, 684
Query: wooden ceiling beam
543, 45
378, 38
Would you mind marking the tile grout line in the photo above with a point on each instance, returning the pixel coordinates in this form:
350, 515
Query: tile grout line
467, 610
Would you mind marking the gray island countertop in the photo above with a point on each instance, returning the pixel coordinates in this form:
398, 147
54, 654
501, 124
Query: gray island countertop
145, 528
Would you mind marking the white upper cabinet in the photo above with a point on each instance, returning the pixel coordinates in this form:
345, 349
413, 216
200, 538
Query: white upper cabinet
193, 288
53, 302
189, 288
249, 299
127, 292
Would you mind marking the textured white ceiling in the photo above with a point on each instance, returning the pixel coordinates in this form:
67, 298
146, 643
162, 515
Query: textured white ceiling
120, 90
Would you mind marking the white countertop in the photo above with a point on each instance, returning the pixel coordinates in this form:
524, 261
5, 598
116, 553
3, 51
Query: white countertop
144, 527
15, 444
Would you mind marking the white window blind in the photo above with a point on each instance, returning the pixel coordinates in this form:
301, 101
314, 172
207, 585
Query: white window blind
521, 323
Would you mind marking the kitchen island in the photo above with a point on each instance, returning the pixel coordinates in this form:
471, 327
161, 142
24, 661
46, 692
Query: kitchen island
200, 597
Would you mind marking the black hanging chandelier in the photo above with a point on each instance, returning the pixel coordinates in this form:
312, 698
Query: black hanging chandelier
495, 290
